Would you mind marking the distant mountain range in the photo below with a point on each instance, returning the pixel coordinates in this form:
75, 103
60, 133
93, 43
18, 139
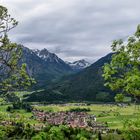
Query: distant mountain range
86, 85
79, 65
47, 67
58, 80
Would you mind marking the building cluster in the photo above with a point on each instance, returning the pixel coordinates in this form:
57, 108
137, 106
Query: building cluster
72, 119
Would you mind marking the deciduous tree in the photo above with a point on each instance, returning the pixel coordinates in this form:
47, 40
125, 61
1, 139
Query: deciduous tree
13, 76
123, 72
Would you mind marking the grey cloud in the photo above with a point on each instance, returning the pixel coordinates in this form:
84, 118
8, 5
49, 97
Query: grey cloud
73, 29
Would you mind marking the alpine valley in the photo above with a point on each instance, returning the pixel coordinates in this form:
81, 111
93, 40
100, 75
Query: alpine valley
58, 80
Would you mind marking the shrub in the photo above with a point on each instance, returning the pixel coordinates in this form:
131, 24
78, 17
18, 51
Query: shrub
104, 114
20, 105
80, 110
9, 109
40, 136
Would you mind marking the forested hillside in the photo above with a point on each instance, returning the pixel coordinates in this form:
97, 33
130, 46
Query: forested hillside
85, 85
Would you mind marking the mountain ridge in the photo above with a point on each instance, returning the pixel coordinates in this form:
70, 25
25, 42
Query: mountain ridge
46, 67
79, 64
86, 85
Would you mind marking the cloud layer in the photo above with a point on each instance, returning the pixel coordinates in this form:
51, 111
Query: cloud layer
73, 29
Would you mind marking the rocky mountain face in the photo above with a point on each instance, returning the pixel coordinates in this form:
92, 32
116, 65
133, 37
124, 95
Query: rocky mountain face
44, 66
48, 57
79, 65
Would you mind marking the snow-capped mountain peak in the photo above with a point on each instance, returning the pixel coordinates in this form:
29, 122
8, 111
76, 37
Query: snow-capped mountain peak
47, 56
81, 63
78, 65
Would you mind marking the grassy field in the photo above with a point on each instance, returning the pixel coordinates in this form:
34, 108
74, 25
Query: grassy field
16, 115
112, 114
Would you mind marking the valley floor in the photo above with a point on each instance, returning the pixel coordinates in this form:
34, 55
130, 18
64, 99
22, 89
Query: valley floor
115, 117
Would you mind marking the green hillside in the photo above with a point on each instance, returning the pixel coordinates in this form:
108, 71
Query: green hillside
85, 85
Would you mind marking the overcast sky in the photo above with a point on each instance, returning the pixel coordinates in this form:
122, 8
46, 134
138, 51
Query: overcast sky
73, 29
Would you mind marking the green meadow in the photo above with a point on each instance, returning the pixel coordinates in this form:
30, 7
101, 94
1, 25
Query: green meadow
114, 115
